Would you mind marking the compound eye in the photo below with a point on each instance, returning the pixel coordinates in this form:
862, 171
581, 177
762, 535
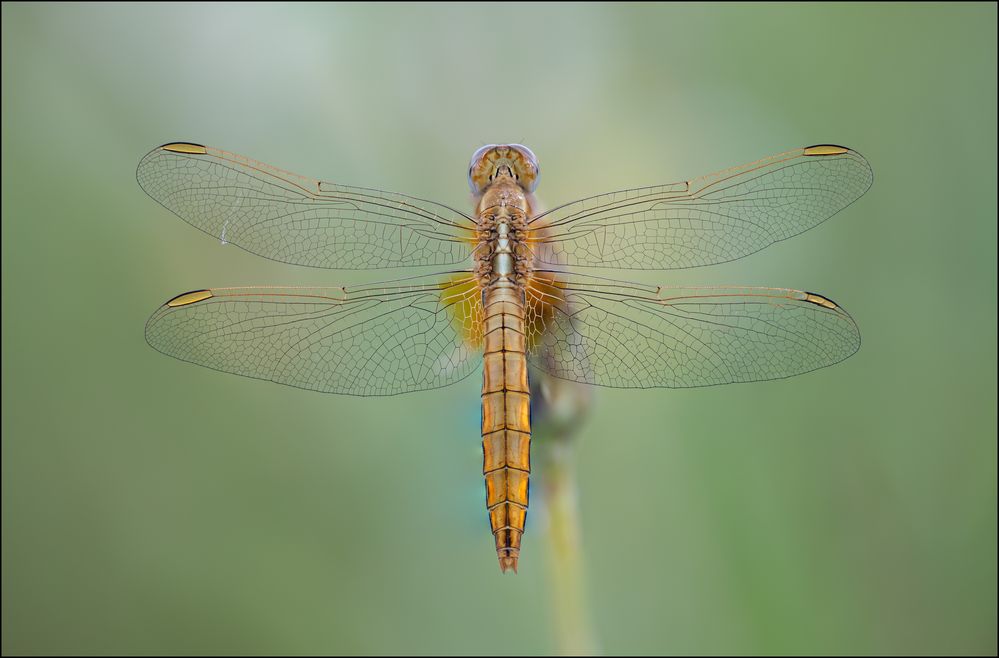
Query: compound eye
529, 177
530, 182
477, 174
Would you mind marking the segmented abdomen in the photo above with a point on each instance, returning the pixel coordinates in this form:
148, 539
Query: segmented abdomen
506, 419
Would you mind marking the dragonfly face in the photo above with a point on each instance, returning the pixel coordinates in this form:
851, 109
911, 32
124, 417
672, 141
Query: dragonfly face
506, 298
494, 161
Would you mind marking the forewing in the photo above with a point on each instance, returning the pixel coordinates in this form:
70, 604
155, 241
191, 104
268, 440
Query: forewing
611, 333
298, 220
704, 221
381, 339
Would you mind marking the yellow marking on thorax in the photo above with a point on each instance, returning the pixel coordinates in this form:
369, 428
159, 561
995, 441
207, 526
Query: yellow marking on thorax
462, 295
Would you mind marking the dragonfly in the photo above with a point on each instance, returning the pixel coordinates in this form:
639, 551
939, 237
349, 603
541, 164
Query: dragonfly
507, 295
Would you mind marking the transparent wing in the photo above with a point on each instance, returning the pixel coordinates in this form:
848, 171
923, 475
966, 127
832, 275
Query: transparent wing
298, 220
708, 220
612, 333
381, 339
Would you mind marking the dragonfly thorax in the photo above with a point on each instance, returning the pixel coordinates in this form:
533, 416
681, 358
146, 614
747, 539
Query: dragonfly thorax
502, 216
503, 253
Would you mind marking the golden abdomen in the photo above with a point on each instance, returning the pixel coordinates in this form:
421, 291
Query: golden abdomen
506, 419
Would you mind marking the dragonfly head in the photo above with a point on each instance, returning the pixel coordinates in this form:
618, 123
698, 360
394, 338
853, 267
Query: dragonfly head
498, 161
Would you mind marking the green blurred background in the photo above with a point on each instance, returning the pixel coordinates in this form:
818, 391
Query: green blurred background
150, 506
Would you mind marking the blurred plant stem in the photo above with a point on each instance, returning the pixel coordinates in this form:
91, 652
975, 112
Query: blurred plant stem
558, 410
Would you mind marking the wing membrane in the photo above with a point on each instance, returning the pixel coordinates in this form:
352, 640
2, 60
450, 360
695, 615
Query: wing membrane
705, 221
611, 333
298, 220
381, 339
